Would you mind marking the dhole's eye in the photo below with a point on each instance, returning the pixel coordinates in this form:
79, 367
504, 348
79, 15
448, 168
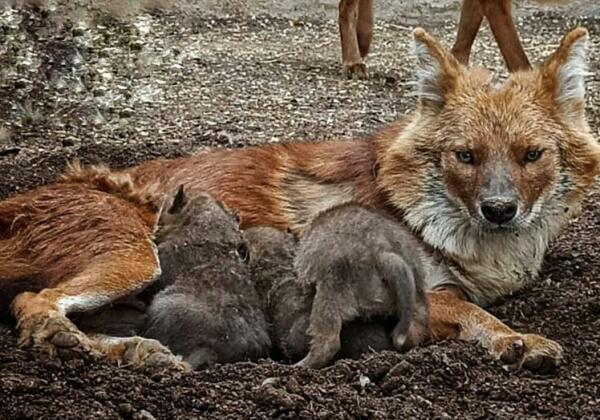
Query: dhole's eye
533, 155
465, 156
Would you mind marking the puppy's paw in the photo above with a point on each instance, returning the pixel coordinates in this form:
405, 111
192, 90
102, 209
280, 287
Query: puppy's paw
529, 351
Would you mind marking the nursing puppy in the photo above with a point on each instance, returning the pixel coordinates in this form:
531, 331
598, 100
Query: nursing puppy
360, 263
287, 302
209, 311
353, 264
486, 175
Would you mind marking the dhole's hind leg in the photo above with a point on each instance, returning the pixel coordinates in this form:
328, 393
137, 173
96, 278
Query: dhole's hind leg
43, 325
471, 16
138, 352
499, 15
42, 317
364, 27
348, 19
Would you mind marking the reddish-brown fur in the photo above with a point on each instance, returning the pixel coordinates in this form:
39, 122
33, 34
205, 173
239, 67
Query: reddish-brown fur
411, 168
264, 184
41, 231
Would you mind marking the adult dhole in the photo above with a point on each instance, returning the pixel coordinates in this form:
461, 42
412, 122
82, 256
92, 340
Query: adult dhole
484, 175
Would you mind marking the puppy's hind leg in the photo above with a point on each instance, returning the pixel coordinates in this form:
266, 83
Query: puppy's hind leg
329, 311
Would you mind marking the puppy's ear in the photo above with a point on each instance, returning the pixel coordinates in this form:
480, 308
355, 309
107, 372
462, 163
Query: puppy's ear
171, 207
179, 201
236, 216
295, 238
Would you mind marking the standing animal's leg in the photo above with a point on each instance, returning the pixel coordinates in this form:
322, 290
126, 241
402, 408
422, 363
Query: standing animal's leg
453, 317
348, 21
499, 15
364, 27
42, 317
471, 16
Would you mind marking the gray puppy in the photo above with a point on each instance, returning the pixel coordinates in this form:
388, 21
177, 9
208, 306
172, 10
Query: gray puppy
270, 257
361, 263
287, 303
209, 311
354, 264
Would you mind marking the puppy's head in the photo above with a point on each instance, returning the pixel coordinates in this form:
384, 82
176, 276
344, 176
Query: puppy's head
198, 221
267, 244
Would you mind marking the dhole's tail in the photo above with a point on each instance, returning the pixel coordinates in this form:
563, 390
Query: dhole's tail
401, 279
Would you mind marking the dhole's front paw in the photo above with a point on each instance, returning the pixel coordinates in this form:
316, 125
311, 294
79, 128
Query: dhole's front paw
55, 335
352, 70
529, 351
139, 352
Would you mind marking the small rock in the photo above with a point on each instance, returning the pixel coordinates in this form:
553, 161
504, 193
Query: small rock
125, 409
143, 415
126, 113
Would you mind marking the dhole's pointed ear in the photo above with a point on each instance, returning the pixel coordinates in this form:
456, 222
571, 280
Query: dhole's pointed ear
563, 74
179, 201
438, 72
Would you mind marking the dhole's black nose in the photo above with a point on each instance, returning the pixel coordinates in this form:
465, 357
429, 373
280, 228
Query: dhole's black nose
499, 211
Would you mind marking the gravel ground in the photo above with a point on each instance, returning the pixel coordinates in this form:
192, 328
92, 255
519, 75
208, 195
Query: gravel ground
121, 90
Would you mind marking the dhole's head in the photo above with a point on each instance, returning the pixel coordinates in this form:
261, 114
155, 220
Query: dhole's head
478, 159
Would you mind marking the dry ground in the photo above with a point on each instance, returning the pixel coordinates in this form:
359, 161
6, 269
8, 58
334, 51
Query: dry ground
169, 82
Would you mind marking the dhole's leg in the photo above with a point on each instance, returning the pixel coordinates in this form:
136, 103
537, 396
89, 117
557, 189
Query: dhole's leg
453, 317
498, 14
42, 317
137, 352
364, 28
471, 16
348, 20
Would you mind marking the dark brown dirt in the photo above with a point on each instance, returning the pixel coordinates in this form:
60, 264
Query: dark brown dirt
120, 92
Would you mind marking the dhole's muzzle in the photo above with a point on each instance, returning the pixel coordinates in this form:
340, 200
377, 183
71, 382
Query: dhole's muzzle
498, 200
